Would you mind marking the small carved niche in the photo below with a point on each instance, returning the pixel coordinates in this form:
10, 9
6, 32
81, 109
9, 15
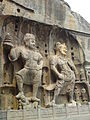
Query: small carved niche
71, 48
45, 45
18, 10
16, 25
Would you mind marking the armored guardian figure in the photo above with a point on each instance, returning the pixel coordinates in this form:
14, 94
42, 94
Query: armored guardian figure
64, 70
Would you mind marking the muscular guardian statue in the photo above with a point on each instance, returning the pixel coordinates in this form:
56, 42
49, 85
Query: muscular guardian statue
64, 70
32, 70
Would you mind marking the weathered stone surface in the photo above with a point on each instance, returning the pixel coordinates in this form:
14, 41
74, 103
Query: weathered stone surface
68, 19
51, 22
3, 115
55, 113
53, 12
46, 38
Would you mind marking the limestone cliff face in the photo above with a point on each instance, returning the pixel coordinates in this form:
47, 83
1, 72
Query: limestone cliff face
53, 12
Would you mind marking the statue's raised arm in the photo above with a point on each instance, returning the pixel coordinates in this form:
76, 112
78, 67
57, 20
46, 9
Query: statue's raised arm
7, 46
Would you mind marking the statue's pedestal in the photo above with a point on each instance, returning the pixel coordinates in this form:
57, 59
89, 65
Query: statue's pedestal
59, 112
8, 99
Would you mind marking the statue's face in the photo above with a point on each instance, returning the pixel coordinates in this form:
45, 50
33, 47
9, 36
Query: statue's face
63, 49
30, 41
83, 90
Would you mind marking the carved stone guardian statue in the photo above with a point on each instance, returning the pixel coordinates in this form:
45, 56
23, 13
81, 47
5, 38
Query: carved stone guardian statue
65, 72
31, 73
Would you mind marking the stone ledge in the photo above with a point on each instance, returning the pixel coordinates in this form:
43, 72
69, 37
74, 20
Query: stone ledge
55, 113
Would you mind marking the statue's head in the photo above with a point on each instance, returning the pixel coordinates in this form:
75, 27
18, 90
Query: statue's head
83, 90
29, 40
61, 48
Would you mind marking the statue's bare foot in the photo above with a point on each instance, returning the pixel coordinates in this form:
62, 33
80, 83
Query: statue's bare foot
50, 104
20, 95
73, 102
35, 99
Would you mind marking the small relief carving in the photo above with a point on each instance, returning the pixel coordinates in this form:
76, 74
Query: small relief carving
64, 72
82, 75
88, 73
84, 95
30, 73
77, 94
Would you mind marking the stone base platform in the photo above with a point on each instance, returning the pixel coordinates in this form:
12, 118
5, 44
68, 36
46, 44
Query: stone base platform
62, 112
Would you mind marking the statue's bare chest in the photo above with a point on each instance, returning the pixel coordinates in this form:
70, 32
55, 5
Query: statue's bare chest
30, 55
